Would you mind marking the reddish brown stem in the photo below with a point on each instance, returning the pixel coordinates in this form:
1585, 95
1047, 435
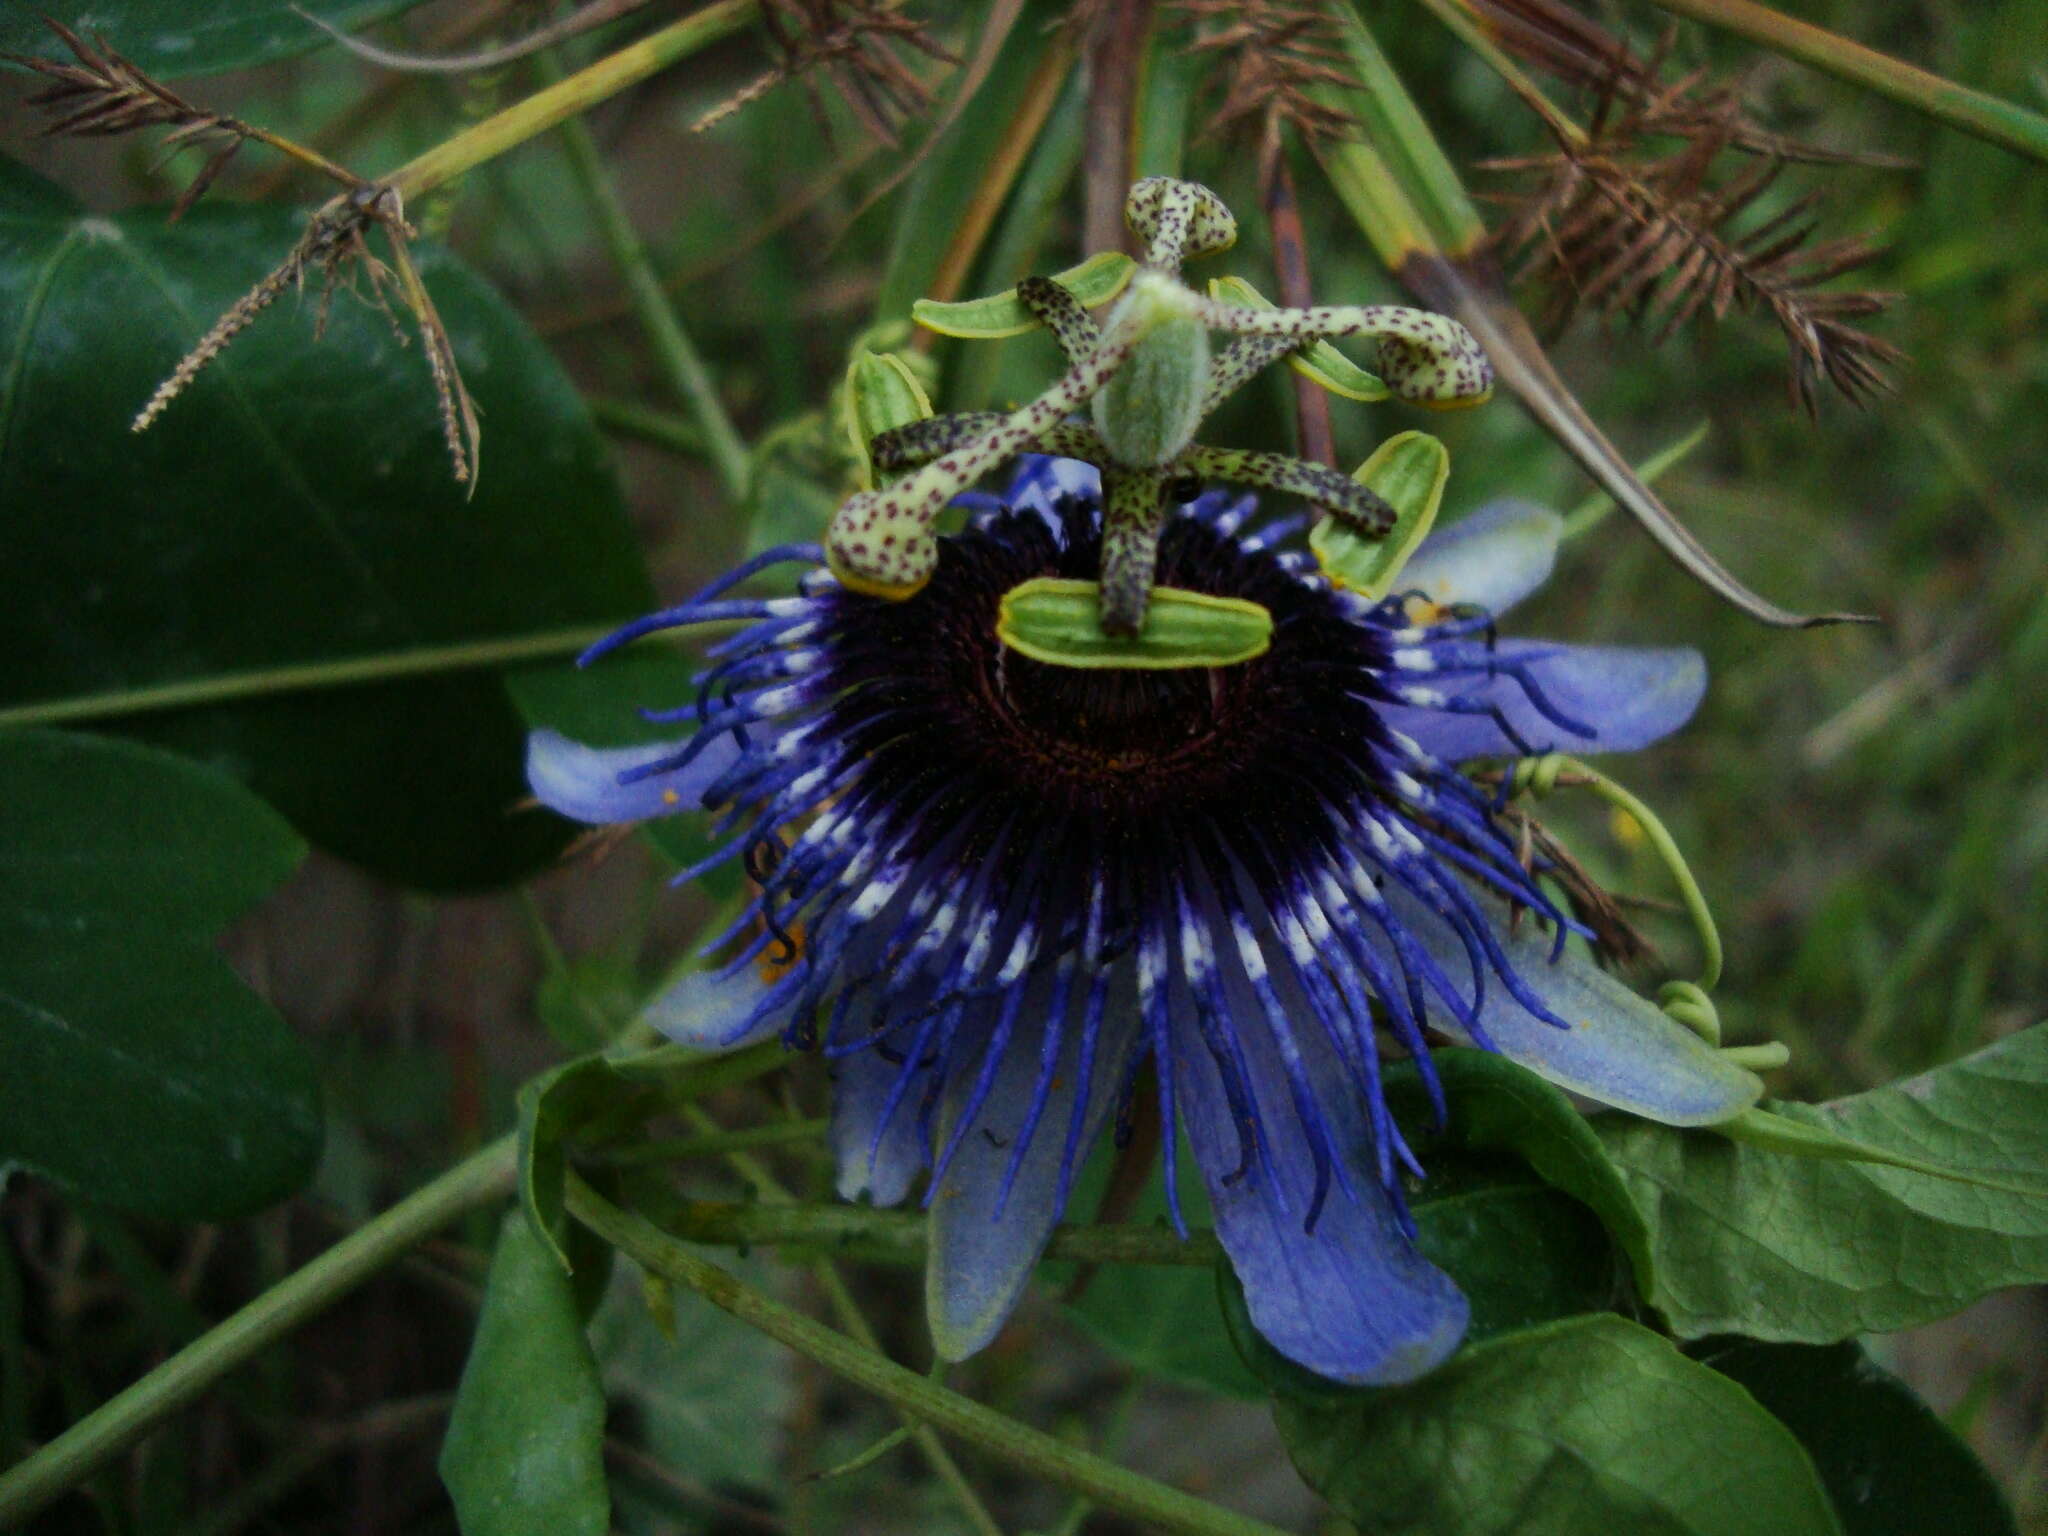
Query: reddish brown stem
1318, 443
1116, 57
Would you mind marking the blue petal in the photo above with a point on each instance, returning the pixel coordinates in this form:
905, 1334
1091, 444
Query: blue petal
582, 782
881, 1171
1353, 1300
1630, 695
1493, 559
1042, 480
979, 1263
1621, 1049
715, 1013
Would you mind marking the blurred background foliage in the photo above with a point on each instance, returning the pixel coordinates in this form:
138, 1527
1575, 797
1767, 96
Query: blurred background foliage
1867, 807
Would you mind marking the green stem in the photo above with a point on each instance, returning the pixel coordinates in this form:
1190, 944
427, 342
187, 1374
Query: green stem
1543, 773
937, 1457
1971, 111
567, 97
900, 1236
711, 1144
117, 1424
1036, 1452
677, 355
1119, 1419
300, 677
647, 426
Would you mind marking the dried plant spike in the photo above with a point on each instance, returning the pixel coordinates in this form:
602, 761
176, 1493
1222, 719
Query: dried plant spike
460, 429
215, 341
1277, 61
103, 94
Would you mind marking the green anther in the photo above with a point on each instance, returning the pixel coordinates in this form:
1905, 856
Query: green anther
1408, 472
1095, 281
1054, 620
881, 395
1318, 361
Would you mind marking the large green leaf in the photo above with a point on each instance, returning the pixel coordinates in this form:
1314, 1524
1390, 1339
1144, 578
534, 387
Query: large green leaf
1588, 1424
708, 1395
1492, 1105
1810, 1250
139, 1070
524, 1453
1164, 1321
294, 507
169, 38
1889, 1463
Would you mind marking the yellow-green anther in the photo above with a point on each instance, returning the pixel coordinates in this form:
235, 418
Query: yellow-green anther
1318, 361
1177, 219
1148, 410
1054, 620
1094, 282
881, 395
1408, 471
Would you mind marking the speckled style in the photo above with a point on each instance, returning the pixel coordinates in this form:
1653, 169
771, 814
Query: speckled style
1151, 379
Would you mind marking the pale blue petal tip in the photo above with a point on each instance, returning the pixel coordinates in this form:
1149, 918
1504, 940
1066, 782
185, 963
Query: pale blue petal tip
591, 784
709, 1012
1491, 559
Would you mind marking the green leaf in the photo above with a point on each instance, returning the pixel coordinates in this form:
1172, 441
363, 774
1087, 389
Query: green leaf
709, 1395
140, 1071
1319, 361
1812, 1250
293, 507
524, 1453
552, 1107
170, 38
1163, 1320
1520, 1251
1493, 1105
1053, 619
599, 1095
1408, 470
1587, 1424
1095, 281
1888, 1462
105, 837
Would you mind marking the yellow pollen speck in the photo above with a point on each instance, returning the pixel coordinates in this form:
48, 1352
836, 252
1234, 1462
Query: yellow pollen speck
670, 797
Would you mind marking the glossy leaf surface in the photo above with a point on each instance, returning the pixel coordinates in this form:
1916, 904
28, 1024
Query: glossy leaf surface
139, 1070
293, 507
